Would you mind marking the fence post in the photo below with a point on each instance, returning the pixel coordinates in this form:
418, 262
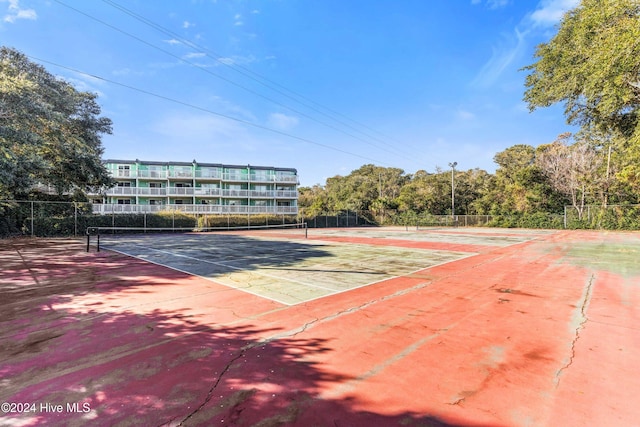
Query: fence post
75, 219
32, 213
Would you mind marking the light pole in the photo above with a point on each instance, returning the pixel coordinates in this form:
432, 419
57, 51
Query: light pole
453, 194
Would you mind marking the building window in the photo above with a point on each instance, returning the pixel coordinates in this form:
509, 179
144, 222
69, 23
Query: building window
124, 170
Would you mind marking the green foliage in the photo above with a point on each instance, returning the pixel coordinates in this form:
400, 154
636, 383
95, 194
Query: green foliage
539, 220
49, 131
592, 65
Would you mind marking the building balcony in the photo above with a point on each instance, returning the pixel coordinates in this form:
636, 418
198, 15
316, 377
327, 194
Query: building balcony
286, 194
286, 178
235, 193
108, 209
181, 174
207, 191
204, 174
152, 174
180, 191
235, 176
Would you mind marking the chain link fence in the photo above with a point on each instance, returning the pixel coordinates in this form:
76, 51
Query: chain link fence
597, 217
349, 218
49, 219
71, 219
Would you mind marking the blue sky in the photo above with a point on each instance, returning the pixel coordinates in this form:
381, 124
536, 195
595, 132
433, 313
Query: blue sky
321, 86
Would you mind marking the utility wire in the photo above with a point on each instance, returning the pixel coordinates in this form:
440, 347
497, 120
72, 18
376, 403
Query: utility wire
206, 110
254, 76
222, 78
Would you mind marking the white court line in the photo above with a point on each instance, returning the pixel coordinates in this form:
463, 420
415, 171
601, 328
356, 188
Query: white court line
242, 269
191, 273
262, 295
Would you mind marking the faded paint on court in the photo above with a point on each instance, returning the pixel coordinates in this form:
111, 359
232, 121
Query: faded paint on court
289, 271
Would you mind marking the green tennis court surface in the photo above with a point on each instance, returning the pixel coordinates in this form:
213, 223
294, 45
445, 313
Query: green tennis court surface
295, 270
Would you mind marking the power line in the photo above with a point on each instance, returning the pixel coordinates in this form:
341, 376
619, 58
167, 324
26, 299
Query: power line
223, 78
206, 110
275, 86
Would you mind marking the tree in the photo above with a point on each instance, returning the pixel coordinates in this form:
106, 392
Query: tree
427, 193
573, 169
519, 187
312, 201
592, 65
50, 133
367, 188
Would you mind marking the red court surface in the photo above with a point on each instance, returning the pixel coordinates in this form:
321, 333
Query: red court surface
540, 333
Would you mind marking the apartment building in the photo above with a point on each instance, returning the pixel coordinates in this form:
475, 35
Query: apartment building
208, 188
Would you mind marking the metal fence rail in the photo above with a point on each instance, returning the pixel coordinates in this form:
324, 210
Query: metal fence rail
54, 218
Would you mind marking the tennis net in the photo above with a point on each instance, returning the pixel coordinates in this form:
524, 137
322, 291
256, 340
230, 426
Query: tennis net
103, 236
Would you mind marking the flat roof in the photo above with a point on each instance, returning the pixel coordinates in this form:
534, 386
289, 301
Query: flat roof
176, 163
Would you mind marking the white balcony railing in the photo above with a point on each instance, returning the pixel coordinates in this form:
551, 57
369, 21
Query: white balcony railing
235, 193
181, 174
198, 191
235, 176
180, 191
286, 194
190, 208
208, 174
286, 178
158, 174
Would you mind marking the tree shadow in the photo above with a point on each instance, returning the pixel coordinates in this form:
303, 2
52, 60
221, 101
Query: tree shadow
161, 369
77, 356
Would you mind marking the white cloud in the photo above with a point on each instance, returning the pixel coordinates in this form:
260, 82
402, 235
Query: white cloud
172, 42
496, 4
238, 20
550, 12
492, 4
237, 59
187, 24
512, 45
15, 12
194, 55
503, 56
282, 121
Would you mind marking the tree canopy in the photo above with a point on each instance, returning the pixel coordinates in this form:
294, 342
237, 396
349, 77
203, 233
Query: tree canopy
593, 66
50, 133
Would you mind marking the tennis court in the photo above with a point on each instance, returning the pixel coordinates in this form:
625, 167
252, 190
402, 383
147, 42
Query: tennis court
346, 327
285, 267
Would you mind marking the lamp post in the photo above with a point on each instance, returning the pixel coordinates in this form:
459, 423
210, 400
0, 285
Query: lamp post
453, 194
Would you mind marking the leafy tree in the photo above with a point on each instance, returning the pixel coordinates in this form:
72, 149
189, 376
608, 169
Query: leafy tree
367, 188
592, 65
312, 201
519, 186
469, 186
49, 131
427, 193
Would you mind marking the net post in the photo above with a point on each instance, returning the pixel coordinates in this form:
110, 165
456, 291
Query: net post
306, 230
98, 240
88, 239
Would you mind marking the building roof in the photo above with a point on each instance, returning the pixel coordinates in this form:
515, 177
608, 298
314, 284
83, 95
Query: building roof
173, 163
